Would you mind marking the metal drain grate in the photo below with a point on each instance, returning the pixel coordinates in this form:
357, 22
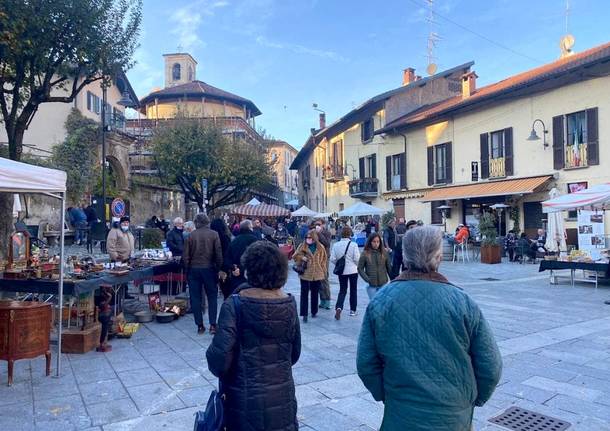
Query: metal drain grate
490, 279
519, 419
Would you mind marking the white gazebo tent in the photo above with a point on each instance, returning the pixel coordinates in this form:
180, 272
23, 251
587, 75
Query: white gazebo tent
595, 197
17, 177
361, 209
254, 202
303, 212
555, 235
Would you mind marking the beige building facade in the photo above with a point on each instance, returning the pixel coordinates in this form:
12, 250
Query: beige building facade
282, 155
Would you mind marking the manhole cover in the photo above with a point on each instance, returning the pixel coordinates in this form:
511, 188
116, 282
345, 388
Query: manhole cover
519, 419
490, 279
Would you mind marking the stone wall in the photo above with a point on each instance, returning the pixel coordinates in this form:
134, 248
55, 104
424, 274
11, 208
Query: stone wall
146, 201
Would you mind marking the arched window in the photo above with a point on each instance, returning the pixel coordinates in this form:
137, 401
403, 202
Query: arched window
176, 72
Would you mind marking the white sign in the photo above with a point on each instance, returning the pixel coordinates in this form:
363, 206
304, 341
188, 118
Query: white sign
591, 232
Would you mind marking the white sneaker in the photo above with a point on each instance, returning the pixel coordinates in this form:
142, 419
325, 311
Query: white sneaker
353, 313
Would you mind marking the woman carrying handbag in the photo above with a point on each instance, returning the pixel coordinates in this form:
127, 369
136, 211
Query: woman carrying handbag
345, 255
257, 343
311, 265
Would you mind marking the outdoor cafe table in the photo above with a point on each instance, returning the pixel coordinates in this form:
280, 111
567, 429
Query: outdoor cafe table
596, 267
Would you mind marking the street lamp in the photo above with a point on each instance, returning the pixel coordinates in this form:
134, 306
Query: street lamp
443, 209
534, 136
104, 97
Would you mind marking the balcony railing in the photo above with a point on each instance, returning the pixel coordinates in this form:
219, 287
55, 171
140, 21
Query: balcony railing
364, 188
497, 167
335, 173
576, 156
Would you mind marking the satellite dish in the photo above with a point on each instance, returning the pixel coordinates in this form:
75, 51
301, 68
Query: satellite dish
567, 42
431, 69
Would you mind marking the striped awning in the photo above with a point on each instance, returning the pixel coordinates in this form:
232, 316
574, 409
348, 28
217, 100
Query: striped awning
517, 186
261, 210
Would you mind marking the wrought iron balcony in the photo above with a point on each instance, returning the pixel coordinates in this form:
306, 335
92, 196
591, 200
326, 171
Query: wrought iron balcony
364, 188
335, 173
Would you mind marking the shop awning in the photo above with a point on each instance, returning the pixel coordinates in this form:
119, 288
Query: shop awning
517, 186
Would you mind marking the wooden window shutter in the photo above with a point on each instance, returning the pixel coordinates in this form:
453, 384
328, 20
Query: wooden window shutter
484, 155
508, 152
374, 166
430, 166
403, 171
448, 163
592, 137
388, 172
558, 149
362, 131
361, 168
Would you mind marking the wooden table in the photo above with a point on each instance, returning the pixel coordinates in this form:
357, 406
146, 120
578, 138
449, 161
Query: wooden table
25, 329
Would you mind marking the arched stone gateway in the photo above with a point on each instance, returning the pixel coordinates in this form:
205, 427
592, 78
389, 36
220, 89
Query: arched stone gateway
117, 155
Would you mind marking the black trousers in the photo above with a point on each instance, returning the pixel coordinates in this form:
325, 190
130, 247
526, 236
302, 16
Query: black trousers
396, 263
353, 291
309, 288
104, 319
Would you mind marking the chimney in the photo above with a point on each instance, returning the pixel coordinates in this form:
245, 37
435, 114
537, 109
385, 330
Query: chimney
469, 84
313, 131
322, 120
408, 76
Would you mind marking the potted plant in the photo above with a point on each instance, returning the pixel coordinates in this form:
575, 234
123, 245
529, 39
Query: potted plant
491, 252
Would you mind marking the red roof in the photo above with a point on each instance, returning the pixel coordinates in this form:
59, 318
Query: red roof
515, 82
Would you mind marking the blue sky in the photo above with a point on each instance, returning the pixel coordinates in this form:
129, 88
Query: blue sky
285, 55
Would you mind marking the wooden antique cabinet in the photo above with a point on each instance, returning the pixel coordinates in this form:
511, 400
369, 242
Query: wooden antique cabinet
25, 328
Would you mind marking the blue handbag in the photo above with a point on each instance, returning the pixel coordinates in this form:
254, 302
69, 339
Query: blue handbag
212, 419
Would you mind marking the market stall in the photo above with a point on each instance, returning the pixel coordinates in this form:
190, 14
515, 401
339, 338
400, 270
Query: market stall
261, 210
360, 209
303, 212
17, 177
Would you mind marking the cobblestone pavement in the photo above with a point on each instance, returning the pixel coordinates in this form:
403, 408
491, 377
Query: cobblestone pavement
555, 341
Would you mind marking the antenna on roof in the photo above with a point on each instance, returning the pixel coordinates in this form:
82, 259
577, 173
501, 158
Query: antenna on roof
179, 47
433, 38
567, 41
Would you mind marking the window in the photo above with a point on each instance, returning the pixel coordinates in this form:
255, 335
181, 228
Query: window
575, 139
367, 129
474, 171
337, 153
176, 72
497, 153
396, 172
439, 164
274, 179
89, 101
94, 103
273, 156
370, 168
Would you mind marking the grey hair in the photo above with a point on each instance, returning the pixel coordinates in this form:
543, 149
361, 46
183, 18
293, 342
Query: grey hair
201, 220
189, 225
178, 220
246, 224
421, 248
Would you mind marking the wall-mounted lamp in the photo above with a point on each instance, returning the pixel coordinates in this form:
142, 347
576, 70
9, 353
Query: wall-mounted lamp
534, 136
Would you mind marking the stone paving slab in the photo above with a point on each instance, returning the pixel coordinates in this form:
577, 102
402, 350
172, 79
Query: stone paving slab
555, 341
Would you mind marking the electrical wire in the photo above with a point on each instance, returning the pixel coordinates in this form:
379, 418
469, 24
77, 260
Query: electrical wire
482, 36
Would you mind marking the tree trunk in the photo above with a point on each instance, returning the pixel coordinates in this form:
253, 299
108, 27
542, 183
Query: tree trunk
6, 222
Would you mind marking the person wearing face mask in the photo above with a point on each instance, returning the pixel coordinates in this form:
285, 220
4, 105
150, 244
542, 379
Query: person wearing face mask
312, 254
120, 242
175, 238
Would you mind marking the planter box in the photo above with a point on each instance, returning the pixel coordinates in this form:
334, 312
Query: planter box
491, 254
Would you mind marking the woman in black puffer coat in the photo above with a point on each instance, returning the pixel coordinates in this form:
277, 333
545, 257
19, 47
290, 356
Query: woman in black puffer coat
254, 362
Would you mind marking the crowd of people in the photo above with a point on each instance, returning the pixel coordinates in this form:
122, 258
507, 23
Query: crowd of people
424, 350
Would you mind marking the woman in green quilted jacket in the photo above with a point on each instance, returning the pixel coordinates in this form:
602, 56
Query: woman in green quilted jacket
425, 349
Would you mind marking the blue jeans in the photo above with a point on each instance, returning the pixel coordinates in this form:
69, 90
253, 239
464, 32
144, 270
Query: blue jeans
80, 234
200, 279
372, 290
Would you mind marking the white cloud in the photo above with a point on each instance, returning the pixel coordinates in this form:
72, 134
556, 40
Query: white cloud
300, 49
188, 19
146, 76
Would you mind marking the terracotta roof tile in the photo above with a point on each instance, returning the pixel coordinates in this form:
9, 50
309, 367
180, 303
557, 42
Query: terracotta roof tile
485, 93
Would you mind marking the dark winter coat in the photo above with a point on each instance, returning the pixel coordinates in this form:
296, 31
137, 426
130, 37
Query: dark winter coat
175, 242
255, 366
427, 352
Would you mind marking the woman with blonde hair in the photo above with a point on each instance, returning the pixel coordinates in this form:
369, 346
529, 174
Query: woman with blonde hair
310, 262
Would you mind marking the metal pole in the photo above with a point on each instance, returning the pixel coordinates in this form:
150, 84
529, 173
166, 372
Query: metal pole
104, 152
61, 280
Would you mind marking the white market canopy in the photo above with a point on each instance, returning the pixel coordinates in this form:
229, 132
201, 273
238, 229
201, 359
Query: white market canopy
293, 203
254, 202
361, 209
322, 215
17, 177
303, 212
595, 197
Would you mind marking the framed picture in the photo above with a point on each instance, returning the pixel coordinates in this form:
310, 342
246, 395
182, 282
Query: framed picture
573, 188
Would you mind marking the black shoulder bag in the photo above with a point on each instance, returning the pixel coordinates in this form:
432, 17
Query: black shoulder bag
340, 265
212, 419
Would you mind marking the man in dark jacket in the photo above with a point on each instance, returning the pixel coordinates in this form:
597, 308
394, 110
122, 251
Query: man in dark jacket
202, 259
175, 238
232, 262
